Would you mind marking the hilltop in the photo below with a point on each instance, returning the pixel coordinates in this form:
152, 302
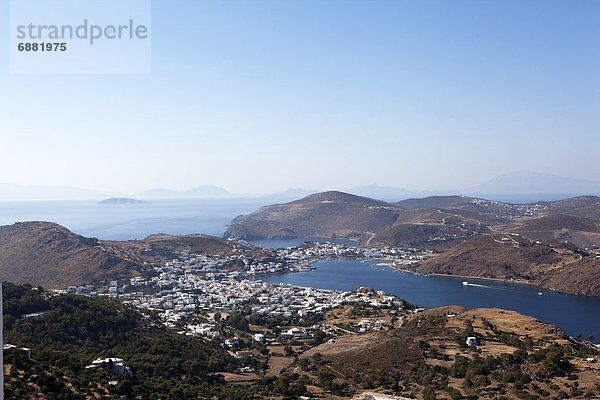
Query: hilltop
160, 248
322, 214
372, 222
557, 228
575, 220
434, 222
580, 206
380, 192
435, 202
485, 208
495, 256
47, 254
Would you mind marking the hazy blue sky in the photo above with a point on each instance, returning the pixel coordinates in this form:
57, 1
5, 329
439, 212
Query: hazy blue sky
264, 95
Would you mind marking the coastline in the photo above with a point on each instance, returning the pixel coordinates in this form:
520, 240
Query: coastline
394, 266
517, 281
522, 282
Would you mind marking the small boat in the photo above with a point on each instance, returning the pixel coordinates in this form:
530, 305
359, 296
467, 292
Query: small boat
540, 293
465, 283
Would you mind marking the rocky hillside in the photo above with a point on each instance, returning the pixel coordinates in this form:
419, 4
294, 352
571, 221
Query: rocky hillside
436, 222
536, 242
557, 228
322, 214
497, 210
373, 222
581, 206
47, 254
159, 248
512, 257
427, 357
581, 277
498, 256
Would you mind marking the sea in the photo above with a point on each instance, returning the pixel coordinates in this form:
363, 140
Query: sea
577, 315
135, 221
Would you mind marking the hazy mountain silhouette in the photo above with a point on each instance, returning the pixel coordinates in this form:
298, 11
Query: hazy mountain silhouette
200, 191
24, 192
532, 183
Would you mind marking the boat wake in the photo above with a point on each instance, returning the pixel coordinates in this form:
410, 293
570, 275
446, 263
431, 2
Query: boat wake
482, 286
477, 285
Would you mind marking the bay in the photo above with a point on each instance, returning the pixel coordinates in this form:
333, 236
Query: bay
576, 315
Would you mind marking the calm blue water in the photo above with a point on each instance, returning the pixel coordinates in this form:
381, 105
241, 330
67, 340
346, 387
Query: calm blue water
574, 314
131, 221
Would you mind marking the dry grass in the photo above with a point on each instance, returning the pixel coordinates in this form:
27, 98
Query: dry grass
277, 364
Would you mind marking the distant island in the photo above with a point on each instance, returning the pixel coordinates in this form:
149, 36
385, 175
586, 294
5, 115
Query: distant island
121, 200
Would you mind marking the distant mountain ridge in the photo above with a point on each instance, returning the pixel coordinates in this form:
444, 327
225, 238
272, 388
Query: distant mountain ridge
11, 192
534, 183
200, 191
519, 186
121, 200
434, 202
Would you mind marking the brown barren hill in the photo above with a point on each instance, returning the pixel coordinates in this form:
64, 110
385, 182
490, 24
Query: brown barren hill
370, 352
162, 247
493, 256
581, 206
372, 222
505, 256
49, 255
322, 214
435, 222
556, 228
581, 277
